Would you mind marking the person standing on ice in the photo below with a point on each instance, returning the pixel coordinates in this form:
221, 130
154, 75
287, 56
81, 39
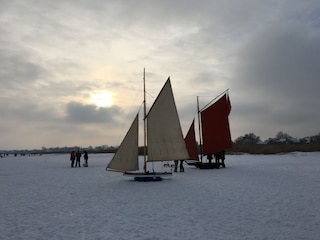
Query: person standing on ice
85, 156
209, 157
220, 156
78, 156
176, 162
72, 158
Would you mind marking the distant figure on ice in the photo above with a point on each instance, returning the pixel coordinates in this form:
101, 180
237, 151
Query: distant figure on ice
72, 158
209, 157
176, 162
78, 156
220, 156
85, 156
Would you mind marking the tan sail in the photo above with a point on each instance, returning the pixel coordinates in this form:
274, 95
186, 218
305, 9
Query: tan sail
164, 139
164, 135
126, 158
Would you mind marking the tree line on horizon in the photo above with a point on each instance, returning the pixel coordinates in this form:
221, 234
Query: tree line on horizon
281, 137
250, 138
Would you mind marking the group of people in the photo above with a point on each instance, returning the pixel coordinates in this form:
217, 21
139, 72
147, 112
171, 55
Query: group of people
219, 157
75, 158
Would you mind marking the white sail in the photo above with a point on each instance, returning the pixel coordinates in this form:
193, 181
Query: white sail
164, 135
126, 157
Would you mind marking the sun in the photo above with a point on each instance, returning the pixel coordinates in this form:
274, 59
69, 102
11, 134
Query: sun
101, 99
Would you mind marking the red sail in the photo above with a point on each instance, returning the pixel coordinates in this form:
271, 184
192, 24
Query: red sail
215, 126
191, 143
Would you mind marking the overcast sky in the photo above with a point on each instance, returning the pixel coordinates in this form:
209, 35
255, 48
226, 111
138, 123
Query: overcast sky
71, 71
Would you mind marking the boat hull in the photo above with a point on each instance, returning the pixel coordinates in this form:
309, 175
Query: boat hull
201, 165
191, 163
148, 176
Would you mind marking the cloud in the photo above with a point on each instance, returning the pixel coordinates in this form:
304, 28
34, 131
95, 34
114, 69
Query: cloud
17, 70
278, 68
282, 59
81, 113
55, 54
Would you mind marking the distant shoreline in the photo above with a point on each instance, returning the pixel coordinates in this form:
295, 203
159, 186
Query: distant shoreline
274, 148
236, 149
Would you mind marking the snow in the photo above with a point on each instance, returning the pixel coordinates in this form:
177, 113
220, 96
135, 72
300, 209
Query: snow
255, 197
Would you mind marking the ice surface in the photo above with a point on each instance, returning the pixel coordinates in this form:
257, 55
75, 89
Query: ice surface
255, 197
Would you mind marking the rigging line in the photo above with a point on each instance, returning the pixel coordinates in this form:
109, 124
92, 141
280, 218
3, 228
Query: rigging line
141, 105
213, 99
129, 114
149, 95
123, 129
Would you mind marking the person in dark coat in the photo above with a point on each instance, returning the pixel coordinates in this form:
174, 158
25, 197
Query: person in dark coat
85, 156
78, 156
220, 156
176, 162
209, 157
72, 158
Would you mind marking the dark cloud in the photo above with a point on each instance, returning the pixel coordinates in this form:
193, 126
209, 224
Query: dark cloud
278, 73
282, 60
81, 113
29, 112
17, 69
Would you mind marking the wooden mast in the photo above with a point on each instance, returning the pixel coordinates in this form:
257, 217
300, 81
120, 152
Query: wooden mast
199, 126
144, 123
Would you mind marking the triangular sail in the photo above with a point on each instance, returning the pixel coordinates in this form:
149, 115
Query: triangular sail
215, 126
126, 157
164, 135
191, 143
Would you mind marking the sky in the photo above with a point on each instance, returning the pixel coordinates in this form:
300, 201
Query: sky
71, 72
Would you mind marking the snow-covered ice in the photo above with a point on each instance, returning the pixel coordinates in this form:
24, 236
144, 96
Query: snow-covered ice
255, 197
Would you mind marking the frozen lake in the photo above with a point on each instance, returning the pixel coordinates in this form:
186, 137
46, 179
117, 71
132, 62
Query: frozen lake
255, 197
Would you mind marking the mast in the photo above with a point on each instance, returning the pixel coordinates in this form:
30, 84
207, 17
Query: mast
144, 123
199, 126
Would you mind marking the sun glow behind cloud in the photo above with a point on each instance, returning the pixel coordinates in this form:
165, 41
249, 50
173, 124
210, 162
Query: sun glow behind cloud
101, 98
